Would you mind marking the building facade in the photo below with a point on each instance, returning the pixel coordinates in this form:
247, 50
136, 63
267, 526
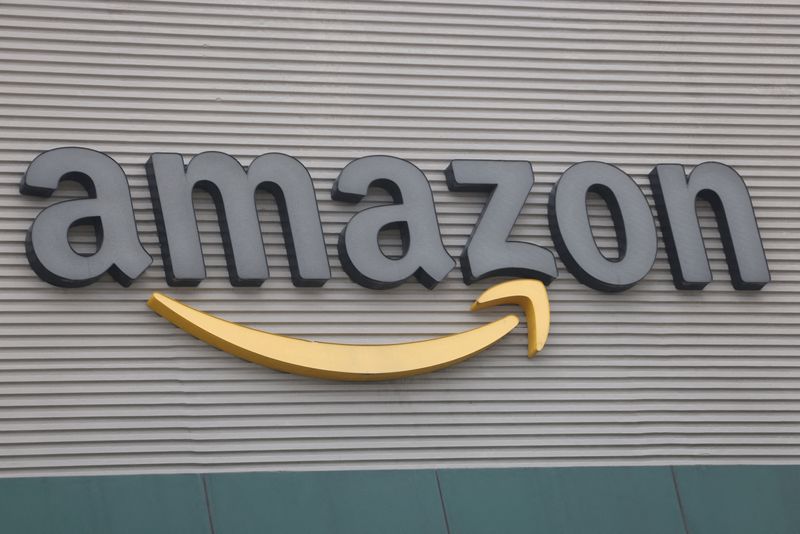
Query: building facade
653, 378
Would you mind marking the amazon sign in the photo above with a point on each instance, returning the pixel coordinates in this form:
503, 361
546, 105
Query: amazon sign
488, 252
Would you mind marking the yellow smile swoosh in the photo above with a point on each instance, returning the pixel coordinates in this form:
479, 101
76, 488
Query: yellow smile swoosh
367, 362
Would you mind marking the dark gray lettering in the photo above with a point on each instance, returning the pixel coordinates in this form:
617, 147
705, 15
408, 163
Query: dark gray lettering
488, 252
233, 191
108, 209
572, 234
412, 212
676, 197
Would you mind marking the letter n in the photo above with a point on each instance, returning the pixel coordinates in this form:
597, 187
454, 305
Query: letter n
724, 189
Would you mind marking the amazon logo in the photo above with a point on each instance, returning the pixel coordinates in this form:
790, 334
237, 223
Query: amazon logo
336, 361
488, 252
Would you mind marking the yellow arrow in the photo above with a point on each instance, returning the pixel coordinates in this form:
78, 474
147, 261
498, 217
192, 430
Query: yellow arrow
367, 362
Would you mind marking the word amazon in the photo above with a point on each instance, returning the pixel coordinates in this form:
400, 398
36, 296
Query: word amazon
488, 252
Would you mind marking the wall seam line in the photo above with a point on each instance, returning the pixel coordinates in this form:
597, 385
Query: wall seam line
441, 501
204, 478
680, 501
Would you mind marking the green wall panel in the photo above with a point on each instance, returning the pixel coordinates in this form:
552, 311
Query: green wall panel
562, 500
596, 500
167, 504
346, 502
740, 499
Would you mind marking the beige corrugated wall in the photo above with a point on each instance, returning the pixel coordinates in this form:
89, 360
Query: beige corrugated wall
92, 382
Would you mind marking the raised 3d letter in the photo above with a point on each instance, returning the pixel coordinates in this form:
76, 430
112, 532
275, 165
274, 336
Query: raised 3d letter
572, 234
424, 255
233, 191
724, 189
488, 251
108, 209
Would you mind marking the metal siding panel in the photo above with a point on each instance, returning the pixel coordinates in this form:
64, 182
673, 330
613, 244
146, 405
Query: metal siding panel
93, 382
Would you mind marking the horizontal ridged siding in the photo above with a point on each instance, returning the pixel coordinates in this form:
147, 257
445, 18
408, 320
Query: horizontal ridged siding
91, 381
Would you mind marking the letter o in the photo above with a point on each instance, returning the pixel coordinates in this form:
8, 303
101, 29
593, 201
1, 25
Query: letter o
572, 234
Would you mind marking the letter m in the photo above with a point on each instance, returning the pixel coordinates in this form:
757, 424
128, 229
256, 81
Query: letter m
233, 191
